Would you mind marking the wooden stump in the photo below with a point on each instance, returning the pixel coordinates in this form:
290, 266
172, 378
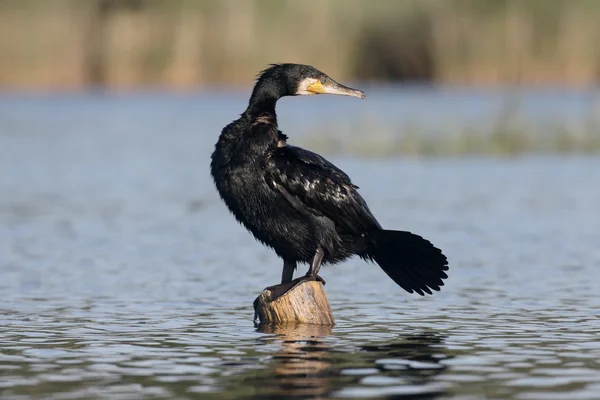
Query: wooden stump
302, 300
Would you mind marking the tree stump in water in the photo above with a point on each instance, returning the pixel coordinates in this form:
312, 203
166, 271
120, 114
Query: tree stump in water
302, 300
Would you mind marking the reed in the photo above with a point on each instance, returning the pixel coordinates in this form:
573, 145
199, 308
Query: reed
509, 136
119, 44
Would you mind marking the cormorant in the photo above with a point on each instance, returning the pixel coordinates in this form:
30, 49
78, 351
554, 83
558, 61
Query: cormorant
300, 204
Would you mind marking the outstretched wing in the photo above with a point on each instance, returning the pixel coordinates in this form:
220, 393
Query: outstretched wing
314, 185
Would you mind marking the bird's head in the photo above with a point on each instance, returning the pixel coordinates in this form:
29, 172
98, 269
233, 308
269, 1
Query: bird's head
300, 80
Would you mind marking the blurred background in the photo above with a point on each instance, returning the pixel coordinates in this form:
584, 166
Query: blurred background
123, 275
67, 44
499, 76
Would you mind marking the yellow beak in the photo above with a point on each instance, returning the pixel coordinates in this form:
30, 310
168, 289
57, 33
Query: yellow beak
332, 87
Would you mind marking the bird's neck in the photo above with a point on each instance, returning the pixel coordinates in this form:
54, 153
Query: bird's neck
264, 98
260, 106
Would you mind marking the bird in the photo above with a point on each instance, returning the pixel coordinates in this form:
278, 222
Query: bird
301, 205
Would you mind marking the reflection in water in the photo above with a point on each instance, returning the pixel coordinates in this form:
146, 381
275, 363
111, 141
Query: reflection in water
301, 367
307, 366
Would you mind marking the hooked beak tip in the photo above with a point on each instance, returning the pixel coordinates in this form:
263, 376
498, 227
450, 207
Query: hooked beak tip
351, 92
354, 93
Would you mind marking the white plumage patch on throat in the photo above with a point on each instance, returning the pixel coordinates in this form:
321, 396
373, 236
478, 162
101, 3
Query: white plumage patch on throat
304, 85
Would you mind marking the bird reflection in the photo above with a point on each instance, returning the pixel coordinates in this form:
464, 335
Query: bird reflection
306, 364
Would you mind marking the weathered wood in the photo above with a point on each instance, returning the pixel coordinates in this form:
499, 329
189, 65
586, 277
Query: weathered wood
301, 300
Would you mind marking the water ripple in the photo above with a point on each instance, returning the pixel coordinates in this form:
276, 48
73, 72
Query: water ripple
123, 276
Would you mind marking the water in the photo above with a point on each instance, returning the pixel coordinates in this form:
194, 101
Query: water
123, 276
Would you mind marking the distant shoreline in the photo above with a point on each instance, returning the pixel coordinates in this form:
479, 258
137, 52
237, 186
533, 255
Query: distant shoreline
183, 45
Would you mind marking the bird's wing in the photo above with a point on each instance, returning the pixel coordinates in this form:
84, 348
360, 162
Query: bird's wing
314, 185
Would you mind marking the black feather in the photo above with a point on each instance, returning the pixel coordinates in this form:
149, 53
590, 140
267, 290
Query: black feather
294, 200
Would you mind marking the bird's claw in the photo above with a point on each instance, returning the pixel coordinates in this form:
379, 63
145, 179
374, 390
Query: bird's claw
315, 278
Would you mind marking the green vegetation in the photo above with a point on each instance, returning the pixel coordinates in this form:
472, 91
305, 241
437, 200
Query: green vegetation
509, 137
466, 142
185, 43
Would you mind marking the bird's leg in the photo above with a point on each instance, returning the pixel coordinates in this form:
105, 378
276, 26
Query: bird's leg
288, 271
313, 271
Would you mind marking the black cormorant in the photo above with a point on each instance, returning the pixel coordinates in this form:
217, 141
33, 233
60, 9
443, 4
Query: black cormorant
300, 204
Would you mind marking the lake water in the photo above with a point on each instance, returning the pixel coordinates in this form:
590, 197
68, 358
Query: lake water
122, 275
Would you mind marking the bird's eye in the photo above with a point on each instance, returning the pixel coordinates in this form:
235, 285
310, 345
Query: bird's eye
323, 80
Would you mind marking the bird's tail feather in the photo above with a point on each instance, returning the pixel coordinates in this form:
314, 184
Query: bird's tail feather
411, 261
